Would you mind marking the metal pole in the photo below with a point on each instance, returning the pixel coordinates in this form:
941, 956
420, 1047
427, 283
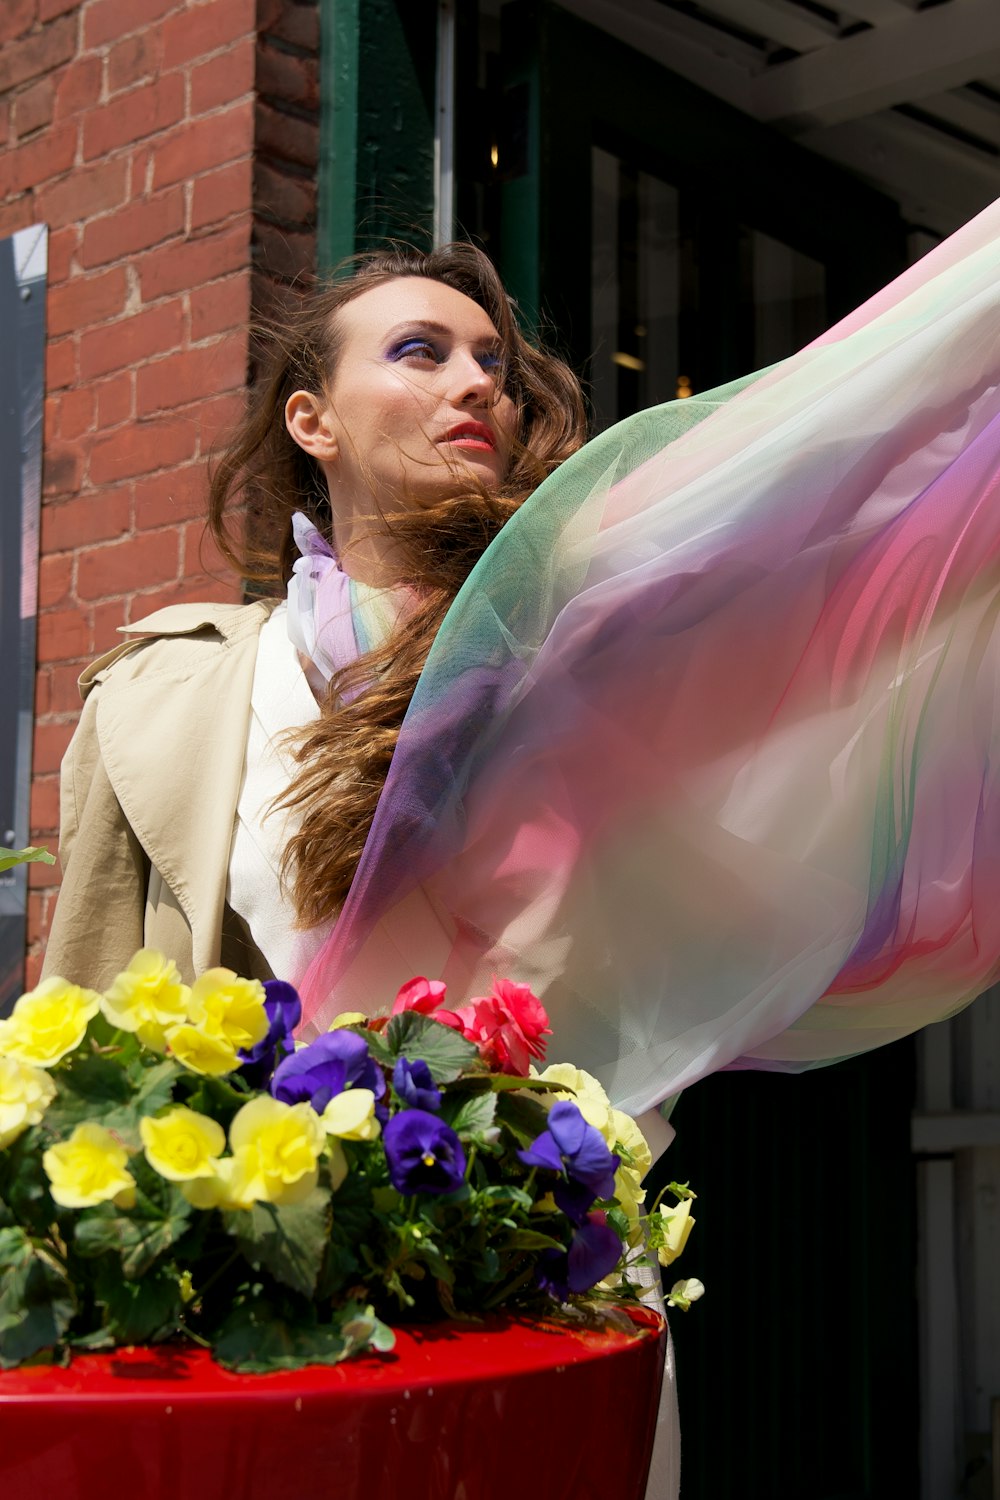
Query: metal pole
444, 126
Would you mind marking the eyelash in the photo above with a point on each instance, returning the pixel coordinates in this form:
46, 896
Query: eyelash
410, 347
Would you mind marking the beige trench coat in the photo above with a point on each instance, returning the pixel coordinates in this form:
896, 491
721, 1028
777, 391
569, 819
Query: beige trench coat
148, 798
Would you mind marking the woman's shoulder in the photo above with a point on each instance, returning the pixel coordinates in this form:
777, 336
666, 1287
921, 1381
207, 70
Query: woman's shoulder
178, 639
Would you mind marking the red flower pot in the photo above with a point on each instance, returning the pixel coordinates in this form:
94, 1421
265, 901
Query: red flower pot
456, 1412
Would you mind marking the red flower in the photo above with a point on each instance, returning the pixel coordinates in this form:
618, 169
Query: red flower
423, 995
507, 1026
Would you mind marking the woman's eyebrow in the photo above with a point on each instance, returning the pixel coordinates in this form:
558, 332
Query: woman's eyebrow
428, 325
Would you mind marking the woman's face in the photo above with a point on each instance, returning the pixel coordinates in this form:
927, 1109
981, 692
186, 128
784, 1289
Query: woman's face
412, 413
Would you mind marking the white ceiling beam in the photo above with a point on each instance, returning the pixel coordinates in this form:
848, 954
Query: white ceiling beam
940, 48
722, 65
780, 23
875, 12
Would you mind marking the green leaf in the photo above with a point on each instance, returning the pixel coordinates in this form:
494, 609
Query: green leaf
36, 1299
214, 1097
446, 1052
531, 1239
141, 1234
257, 1336
11, 857
88, 1088
288, 1241
137, 1311
523, 1116
468, 1114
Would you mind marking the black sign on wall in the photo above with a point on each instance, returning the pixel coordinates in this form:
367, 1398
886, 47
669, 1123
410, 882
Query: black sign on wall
23, 263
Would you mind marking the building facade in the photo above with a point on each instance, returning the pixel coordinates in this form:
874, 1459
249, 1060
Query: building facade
676, 193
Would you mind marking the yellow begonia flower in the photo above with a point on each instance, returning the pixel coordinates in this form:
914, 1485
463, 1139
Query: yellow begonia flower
148, 997
676, 1232
221, 1190
351, 1116
347, 1018
89, 1168
683, 1293
48, 1022
202, 1054
276, 1148
182, 1144
25, 1094
586, 1093
229, 1008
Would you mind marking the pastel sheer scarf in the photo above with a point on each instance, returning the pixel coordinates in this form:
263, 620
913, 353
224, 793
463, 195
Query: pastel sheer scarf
706, 748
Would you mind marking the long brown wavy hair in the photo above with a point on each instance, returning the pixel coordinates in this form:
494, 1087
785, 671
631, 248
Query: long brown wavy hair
264, 477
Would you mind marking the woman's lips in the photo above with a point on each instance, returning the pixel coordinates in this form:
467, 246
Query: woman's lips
471, 435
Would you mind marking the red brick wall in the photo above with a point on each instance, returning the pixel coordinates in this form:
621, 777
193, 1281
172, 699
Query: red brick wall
130, 127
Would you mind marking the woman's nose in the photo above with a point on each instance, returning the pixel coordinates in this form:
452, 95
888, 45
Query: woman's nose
469, 381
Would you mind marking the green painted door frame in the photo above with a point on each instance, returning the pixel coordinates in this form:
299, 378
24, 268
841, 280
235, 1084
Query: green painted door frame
376, 160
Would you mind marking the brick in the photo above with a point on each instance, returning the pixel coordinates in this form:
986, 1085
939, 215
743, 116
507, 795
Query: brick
64, 689
146, 222
17, 17
201, 555
293, 21
47, 9
119, 346
162, 499
82, 522
106, 619
43, 692
86, 300
109, 20
36, 899
62, 469
202, 29
45, 802
143, 448
143, 111
55, 577
16, 214
287, 137
220, 306
191, 375
137, 57
36, 161
33, 108
63, 634
51, 742
219, 195
288, 77
200, 589
32, 961
38, 52
76, 413
62, 249
79, 87
4, 121
223, 78
177, 267
284, 252
285, 198
123, 567
208, 142
216, 419
60, 363
86, 192
114, 400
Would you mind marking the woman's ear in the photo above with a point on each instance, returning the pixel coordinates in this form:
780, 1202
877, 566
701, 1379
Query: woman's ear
310, 422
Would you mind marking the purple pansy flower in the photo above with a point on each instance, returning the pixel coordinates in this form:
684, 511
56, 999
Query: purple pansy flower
326, 1067
424, 1154
284, 1012
593, 1253
415, 1086
572, 1146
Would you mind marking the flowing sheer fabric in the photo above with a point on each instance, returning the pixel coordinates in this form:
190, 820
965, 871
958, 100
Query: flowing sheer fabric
706, 748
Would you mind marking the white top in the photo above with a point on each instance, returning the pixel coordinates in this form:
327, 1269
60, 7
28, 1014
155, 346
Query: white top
281, 700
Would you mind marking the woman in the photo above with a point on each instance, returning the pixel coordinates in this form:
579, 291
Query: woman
403, 413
